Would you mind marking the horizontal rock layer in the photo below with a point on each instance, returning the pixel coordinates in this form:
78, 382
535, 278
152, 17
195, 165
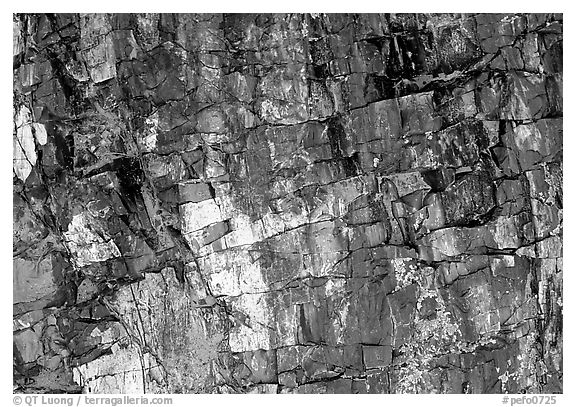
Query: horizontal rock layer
303, 203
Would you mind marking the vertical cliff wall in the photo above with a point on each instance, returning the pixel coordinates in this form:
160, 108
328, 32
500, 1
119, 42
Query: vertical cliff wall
287, 203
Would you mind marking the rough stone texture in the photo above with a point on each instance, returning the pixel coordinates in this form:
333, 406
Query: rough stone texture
288, 203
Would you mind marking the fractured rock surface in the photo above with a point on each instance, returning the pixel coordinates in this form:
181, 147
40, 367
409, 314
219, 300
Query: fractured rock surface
325, 203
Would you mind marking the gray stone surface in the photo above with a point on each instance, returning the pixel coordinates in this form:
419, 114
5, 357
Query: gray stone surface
303, 203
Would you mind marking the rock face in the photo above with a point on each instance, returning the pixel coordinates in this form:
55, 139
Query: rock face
288, 203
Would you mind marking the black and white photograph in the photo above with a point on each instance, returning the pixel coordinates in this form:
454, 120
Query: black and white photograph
287, 203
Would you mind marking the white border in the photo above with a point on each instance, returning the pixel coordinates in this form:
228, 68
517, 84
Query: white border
290, 6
